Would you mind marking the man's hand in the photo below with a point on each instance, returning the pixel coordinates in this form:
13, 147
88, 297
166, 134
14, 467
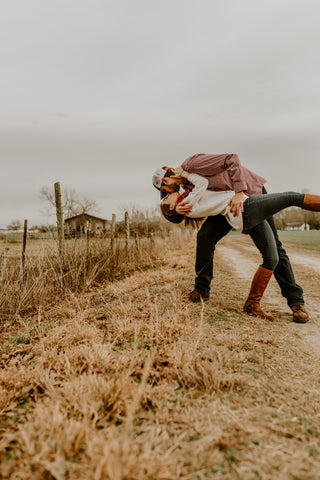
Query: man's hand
183, 208
236, 203
177, 171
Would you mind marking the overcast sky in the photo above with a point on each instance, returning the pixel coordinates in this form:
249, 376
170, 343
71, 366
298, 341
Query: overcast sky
97, 94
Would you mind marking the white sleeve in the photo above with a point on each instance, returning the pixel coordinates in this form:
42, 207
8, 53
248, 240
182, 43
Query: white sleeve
200, 186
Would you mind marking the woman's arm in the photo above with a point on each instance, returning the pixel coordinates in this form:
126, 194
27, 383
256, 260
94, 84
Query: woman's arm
200, 186
212, 166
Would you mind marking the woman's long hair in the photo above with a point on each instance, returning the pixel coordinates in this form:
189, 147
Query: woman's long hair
175, 217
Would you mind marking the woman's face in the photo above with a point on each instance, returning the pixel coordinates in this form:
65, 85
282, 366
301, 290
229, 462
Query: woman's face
171, 200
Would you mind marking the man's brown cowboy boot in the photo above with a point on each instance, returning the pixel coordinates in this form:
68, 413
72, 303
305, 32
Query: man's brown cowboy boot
259, 284
196, 296
311, 202
300, 314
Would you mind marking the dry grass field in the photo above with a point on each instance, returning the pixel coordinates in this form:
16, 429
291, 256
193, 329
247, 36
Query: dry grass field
126, 380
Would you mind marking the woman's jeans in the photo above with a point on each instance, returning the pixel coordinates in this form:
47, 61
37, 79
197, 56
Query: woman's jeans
215, 228
257, 210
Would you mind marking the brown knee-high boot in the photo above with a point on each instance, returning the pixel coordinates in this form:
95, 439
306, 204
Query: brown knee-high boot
259, 284
311, 202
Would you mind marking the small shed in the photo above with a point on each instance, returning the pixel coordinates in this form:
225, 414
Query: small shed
83, 224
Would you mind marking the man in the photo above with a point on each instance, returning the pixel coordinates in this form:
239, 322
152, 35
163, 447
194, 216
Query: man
225, 172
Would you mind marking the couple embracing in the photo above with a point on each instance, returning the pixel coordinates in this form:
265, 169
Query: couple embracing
222, 195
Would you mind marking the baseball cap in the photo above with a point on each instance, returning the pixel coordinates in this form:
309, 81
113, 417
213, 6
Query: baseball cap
157, 180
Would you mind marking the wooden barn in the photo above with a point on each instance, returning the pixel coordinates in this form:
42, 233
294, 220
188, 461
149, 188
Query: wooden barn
84, 224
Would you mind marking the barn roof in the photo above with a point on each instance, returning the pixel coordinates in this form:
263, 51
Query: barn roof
87, 217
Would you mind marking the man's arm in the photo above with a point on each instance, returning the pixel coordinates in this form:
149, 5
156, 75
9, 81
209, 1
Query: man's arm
211, 165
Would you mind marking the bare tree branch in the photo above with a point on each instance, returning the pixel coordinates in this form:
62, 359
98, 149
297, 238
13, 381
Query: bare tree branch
72, 203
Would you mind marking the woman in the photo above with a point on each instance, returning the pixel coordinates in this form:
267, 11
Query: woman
200, 203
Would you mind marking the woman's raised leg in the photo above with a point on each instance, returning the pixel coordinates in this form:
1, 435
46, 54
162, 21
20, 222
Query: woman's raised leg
260, 207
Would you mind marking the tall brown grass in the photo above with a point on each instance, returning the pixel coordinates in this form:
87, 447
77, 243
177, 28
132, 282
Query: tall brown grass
86, 262
126, 381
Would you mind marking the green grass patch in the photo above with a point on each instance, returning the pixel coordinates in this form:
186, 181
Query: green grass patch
309, 239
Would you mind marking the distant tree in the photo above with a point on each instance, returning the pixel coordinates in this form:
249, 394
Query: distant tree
295, 215
72, 203
14, 225
85, 205
144, 221
40, 228
44, 228
312, 219
281, 220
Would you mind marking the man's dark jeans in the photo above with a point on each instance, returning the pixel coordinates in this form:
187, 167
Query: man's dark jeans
213, 230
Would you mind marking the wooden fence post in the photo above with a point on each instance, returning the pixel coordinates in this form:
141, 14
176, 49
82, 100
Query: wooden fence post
23, 258
88, 231
127, 230
113, 232
3, 261
137, 240
87, 262
57, 193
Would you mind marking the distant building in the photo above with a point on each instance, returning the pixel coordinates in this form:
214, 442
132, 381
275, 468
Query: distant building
83, 224
296, 226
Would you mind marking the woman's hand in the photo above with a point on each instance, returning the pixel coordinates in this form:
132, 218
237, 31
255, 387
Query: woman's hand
183, 208
171, 200
236, 203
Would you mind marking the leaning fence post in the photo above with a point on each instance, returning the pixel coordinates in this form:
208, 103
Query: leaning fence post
113, 232
57, 193
127, 230
23, 258
3, 261
87, 262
